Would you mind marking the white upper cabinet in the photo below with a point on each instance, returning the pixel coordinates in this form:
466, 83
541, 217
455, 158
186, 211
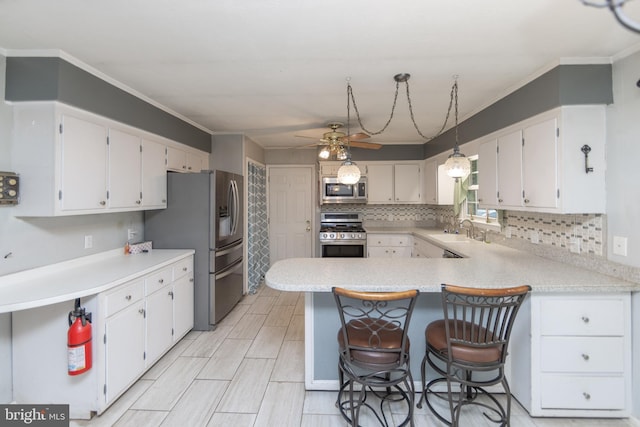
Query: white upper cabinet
391, 183
73, 162
83, 175
510, 170
154, 174
541, 166
125, 170
488, 173
438, 186
380, 182
182, 160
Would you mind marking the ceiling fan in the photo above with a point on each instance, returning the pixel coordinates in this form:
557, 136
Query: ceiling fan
336, 141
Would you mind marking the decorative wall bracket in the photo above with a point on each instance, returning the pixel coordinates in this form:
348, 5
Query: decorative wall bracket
586, 150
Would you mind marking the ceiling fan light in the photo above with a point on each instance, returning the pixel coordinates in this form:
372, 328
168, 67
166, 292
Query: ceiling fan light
457, 165
349, 173
324, 153
341, 154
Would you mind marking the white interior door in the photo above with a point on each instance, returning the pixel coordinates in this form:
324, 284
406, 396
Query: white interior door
291, 196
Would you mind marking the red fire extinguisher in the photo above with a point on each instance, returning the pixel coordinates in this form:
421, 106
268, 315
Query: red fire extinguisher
79, 340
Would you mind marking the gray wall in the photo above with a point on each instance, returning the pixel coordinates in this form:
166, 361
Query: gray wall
34, 242
54, 79
563, 85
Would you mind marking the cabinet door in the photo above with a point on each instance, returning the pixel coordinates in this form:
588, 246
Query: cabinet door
379, 252
446, 187
159, 314
182, 306
154, 174
407, 183
540, 165
488, 174
194, 163
430, 182
176, 159
380, 181
84, 165
510, 170
125, 177
124, 342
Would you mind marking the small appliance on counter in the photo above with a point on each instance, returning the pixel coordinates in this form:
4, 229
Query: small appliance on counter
204, 212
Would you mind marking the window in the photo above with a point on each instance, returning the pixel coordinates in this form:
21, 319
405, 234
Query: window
473, 209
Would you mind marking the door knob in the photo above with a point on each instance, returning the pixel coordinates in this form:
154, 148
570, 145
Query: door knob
308, 229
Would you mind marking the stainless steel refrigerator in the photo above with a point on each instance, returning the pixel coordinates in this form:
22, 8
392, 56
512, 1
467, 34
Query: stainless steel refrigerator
204, 212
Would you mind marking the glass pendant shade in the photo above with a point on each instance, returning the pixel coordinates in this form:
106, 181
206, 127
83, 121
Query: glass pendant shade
349, 173
341, 154
457, 165
324, 153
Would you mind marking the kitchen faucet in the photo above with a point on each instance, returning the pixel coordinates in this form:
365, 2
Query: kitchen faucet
470, 231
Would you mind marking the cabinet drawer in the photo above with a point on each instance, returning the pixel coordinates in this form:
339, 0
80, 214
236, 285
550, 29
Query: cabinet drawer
601, 316
388, 240
581, 392
582, 354
123, 296
182, 268
158, 279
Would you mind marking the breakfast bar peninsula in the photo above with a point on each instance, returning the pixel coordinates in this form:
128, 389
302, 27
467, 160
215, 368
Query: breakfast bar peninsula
571, 312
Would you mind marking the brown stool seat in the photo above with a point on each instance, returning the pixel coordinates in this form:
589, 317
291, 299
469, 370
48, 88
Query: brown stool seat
436, 337
468, 349
374, 342
374, 369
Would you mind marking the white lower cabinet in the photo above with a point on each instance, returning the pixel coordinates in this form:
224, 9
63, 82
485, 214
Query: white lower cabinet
577, 362
389, 245
133, 325
124, 334
424, 249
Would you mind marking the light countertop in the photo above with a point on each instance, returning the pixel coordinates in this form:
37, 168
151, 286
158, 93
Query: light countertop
483, 265
80, 277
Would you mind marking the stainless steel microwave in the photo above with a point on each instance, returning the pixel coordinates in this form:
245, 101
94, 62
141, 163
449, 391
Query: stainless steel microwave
334, 192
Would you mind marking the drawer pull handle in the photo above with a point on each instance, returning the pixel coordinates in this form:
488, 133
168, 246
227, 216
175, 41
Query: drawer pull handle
585, 319
170, 294
141, 311
161, 281
191, 280
128, 297
184, 268
585, 357
586, 395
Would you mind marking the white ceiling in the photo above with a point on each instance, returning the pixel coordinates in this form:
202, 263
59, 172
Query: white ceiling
274, 69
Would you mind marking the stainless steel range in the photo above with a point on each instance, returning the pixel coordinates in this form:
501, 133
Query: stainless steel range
342, 235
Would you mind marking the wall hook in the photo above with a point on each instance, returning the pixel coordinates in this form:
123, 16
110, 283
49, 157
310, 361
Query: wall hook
586, 150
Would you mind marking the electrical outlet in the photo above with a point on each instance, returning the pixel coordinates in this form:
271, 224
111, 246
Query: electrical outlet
507, 232
574, 245
619, 245
534, 236
88, 242
131, 234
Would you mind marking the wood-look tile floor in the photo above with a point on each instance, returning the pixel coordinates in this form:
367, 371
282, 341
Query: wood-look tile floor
250, 372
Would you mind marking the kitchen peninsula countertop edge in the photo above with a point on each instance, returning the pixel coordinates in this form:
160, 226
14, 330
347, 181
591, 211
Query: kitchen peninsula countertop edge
482, 265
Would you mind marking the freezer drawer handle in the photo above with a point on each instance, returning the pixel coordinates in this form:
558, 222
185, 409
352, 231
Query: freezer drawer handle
230, 270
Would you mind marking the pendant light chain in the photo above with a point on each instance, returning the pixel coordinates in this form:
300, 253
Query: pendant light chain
452, 97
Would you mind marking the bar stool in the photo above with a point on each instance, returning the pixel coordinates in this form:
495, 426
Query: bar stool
374, 351
468, 348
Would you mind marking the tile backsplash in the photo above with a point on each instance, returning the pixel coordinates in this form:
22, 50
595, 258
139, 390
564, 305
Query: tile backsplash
556, 230
561, 231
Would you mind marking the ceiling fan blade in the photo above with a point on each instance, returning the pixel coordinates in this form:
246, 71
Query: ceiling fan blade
358, 136
304, 136
367, 145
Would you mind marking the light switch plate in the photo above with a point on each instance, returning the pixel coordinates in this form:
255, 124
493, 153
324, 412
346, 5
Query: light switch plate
574, 245
535, 237
88, 242
620, 245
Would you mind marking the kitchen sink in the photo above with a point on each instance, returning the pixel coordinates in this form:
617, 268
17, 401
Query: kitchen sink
450, 238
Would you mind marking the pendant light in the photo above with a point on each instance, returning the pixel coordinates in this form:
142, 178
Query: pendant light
349, 172
615, 6
457, 165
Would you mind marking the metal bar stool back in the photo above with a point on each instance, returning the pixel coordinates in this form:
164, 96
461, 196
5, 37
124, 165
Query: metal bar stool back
374, 351
468, 349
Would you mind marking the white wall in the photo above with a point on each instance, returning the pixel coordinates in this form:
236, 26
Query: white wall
623, 182
31, 242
